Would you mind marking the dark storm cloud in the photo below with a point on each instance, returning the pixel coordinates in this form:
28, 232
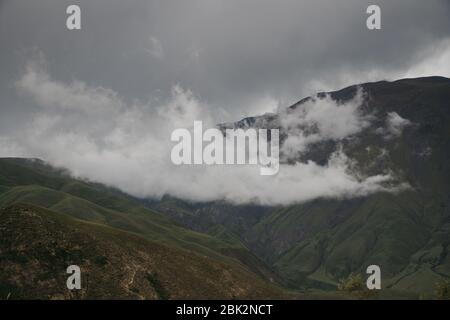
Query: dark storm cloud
104, 100
232, 54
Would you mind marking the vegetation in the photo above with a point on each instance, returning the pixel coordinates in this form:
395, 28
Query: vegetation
315, 244
355, 286
209, 250
443, 290
37, 245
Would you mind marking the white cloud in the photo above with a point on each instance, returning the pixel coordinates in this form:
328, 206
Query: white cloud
75, 96
155, 48
96, 135
394, 126
321, 119
9, 148
434, 61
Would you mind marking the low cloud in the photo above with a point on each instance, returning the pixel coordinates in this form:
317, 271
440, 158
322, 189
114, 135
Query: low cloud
321, 119
155, 48
96, 134
394, 126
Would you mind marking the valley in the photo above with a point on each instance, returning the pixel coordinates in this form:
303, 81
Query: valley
173, 248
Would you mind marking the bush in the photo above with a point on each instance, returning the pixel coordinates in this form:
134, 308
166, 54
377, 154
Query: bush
355, 286
443, 290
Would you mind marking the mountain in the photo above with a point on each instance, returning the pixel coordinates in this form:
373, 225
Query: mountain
30, 188
173, 248
38, 245
319, 242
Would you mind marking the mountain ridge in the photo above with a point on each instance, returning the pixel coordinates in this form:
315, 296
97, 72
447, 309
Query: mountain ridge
310, 245
316, 243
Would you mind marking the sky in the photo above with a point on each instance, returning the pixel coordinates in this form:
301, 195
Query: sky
103, 98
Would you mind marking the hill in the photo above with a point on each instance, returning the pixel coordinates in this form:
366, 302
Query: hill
32, 182
38, 245
308, 246
317, 243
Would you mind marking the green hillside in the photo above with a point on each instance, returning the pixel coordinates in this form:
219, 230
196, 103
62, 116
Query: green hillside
405, 233
316, 244
306, 247
33, 182
37, 245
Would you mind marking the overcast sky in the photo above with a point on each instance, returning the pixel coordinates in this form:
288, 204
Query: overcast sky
101, 89
241, 56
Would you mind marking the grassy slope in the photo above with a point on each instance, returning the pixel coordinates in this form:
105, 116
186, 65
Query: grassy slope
35, 183
406, 233
390, 231
37, 245
317, 243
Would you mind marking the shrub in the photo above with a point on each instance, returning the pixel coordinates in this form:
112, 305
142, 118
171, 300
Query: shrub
355, 286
